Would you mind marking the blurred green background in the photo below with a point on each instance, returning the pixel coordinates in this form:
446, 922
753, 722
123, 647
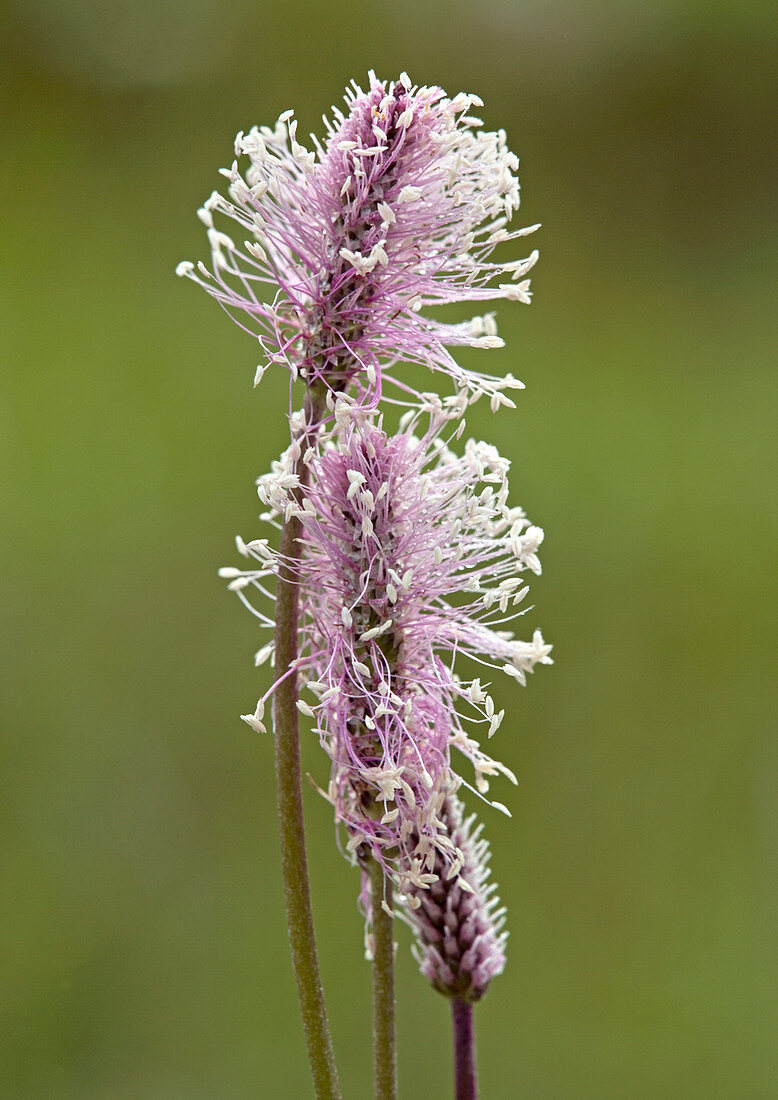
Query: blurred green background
143, 950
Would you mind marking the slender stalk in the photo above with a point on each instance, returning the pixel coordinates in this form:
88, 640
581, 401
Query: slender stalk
384, 1041
294, 864
465, 1070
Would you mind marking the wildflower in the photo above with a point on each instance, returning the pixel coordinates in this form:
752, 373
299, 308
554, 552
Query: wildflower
410, 558
400, 209
458, 920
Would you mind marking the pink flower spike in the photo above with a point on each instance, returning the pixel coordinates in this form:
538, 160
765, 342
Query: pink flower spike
411, 562
458, 921
345, 246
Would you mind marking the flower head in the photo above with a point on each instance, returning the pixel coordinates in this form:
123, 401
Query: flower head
458, 920
399, 209
411, 558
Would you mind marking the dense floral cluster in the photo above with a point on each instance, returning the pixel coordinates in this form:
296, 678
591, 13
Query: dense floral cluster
411, 561
400, 209
458, 920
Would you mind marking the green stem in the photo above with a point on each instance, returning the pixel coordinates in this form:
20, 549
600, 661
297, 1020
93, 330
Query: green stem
294, 864
384, 1041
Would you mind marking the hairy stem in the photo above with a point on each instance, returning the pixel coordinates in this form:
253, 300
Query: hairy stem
294, 864
465, 1071
384, 1041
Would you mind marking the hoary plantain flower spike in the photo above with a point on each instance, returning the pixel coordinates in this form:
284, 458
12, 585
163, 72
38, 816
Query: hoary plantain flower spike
341, 249
411, 561
457, 920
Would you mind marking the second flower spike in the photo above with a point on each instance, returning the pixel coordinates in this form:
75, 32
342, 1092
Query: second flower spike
412, 560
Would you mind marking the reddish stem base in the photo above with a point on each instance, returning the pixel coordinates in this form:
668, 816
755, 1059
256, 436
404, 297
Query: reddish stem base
465, 1072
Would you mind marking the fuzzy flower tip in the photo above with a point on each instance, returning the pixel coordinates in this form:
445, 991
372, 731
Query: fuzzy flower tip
458, 921
400, 209
411, 558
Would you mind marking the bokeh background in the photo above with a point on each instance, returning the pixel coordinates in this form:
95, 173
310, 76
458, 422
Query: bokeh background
143, 947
